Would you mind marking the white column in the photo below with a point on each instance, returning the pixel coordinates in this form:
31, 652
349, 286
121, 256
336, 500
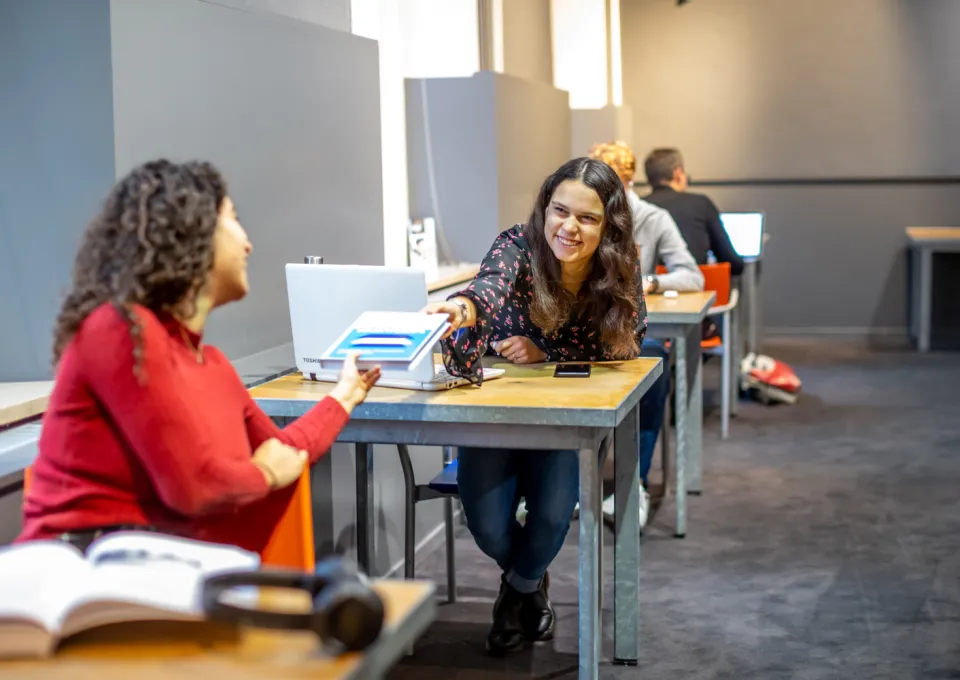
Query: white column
587, 63
417, 39
440, 38
580, 51
380, 20
490, 25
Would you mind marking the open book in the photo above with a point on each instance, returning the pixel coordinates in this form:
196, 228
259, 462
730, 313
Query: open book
395, 340
50, 591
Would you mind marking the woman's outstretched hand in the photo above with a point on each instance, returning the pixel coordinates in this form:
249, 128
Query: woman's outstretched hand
354, 384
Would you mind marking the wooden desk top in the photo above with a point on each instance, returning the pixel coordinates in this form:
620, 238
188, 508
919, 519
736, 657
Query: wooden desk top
686, 308
524, 395
933, 235
454, 276
154, 650
23, 400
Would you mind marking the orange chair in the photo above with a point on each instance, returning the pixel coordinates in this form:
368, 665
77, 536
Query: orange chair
716, 277
291, 544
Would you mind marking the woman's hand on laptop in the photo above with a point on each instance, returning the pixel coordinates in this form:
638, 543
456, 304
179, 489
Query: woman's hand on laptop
520, 350
354, 384
460, 313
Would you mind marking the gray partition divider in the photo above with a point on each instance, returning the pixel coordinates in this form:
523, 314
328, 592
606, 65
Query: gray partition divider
289, 110
478, 149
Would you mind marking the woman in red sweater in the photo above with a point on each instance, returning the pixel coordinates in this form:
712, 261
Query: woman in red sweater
148, 427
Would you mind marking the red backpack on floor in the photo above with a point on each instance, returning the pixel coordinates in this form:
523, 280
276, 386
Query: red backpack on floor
768, 380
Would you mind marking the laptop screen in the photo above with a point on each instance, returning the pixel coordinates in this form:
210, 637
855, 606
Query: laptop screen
745, 231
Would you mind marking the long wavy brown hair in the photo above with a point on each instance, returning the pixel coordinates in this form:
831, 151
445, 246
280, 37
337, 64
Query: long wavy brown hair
150, 245
610, 297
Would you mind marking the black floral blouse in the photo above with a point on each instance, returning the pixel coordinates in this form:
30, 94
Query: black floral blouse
502, 292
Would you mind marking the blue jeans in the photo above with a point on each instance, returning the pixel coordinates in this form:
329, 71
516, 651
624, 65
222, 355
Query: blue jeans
492, 482
652, 406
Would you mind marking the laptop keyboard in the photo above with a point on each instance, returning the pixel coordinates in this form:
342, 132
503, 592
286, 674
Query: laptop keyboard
441, 375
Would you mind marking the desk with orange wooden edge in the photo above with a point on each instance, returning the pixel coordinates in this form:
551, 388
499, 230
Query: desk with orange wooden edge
679, 319
156, 651
525, 408
924, 242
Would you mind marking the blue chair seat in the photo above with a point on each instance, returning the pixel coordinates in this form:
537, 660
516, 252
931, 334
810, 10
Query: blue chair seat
446, 481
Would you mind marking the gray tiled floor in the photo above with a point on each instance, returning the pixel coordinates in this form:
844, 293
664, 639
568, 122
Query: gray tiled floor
826, 543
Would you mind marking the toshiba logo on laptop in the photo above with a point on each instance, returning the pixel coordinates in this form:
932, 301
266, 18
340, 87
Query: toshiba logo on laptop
311, 361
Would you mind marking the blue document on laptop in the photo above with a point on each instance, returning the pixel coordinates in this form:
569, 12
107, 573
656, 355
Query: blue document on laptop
396, 340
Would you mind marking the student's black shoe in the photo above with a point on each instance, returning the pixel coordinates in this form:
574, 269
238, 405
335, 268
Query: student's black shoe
537, 616
505, 635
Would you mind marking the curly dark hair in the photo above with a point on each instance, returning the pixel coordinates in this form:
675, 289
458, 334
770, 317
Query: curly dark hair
151, 245
611, 291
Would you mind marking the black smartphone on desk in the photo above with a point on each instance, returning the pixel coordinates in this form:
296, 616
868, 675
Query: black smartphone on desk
572, 371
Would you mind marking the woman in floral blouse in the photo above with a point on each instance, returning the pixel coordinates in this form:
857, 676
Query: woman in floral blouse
562, 287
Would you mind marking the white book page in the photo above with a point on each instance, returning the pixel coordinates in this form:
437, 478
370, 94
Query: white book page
138, 576
30, 574
37, 580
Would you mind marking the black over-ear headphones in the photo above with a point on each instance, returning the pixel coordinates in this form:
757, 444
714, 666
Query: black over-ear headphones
345, 608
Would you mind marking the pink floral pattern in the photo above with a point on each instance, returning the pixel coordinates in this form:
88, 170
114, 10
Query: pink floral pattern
502, 292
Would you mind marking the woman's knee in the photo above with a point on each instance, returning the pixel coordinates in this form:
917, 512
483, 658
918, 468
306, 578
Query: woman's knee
492, 537
549, 519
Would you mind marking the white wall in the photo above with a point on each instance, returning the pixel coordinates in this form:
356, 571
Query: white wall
579, 29
330, 13
440, 38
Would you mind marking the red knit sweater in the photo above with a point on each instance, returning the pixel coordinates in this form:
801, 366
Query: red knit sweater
172, 450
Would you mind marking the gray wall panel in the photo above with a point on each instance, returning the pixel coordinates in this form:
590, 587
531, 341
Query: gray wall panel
56, 163
452, 160
330, 13
533, 140
493, 139
768, 89
288, 110
836, 258
759, 88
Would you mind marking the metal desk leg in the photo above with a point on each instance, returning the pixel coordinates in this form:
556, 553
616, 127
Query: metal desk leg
693, 423
589, 564
736, 359
365, 515
410, 512
626, 546
695, 416
926, 289
752, 317
448, 456
683, 443
726, 376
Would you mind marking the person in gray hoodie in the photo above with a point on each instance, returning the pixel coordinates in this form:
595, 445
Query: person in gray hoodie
658, 241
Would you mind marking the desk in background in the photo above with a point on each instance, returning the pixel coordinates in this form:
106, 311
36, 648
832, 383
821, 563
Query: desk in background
454, 275
525, 408
924, 242
679, 320
23, 400
156, 650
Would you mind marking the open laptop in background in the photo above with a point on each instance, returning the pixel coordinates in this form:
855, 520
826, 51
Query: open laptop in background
745, 230
326, 298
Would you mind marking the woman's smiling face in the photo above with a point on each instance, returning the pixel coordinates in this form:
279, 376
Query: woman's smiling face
573, 223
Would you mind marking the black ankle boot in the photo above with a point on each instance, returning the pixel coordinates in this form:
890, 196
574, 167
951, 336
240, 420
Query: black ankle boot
537, 616
505, 635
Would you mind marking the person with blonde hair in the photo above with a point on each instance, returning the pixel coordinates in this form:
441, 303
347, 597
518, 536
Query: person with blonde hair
658, 241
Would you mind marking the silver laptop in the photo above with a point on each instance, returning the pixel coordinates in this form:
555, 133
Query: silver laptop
745, 230
326, 298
